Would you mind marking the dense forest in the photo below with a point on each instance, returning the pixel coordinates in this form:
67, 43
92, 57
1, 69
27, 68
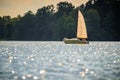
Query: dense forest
102, 19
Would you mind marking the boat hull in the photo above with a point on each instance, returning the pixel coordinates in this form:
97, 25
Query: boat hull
75, 41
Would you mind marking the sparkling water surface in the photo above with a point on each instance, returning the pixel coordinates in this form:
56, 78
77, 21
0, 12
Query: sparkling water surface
20, 60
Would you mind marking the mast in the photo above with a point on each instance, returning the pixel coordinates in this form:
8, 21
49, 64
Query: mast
81, 27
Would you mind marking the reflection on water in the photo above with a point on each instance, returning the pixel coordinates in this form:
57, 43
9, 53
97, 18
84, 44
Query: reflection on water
58, 61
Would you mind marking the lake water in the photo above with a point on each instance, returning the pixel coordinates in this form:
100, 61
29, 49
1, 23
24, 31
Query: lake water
20, 60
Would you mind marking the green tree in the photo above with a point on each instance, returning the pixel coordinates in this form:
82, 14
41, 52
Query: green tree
2, 30
26, 27
65, 20
45, 22
92, 23
7, 27
64, 8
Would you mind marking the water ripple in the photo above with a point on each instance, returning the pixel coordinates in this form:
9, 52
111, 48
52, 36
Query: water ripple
56, 60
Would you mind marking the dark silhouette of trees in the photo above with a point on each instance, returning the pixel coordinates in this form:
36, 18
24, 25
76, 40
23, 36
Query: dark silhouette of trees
2, 33
45, 23
65, 20
109, 18
101, 17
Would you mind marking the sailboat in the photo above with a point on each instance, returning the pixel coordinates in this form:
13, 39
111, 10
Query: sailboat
81, 32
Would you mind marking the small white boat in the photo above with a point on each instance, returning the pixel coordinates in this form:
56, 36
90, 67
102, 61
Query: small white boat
75, 41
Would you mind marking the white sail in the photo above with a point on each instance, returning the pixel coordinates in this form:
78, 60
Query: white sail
81, 27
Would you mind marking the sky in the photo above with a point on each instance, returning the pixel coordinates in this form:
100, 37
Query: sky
19, 7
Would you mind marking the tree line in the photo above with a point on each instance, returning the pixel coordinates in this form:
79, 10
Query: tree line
101, 17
